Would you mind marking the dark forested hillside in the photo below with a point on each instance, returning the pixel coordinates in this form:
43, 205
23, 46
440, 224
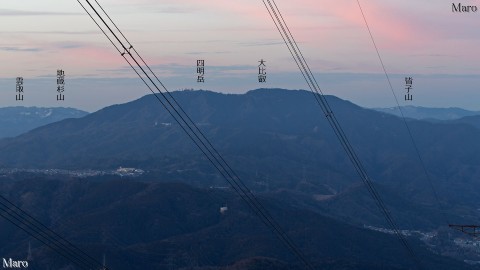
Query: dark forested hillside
275, 139
173, 226
280, 144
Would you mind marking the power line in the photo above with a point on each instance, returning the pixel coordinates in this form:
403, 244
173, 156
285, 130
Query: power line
192, 130
472, 230
292, 46
422, 163
35, 228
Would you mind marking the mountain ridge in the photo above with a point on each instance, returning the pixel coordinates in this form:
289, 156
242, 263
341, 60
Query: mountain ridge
427, 113
278, 141
274, 139
16, 120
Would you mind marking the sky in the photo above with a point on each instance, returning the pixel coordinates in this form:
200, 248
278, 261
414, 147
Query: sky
424, 40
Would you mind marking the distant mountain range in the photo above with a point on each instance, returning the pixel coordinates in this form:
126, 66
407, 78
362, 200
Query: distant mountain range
279, 142
17, 120
429, 113
277, 139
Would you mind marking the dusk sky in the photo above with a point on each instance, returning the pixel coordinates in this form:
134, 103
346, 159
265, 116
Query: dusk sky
421, 39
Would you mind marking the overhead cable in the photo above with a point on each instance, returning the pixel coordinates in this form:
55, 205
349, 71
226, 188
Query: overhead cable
145, 73
321, 99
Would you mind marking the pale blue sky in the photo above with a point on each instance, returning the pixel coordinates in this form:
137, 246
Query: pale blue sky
423, 39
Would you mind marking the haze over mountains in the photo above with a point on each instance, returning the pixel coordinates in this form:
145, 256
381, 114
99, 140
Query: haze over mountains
279, 133
17, 120
416, 112
266, 134
280, 144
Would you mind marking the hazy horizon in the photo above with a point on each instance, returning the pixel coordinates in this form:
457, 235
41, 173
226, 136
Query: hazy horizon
425, 41
60, 105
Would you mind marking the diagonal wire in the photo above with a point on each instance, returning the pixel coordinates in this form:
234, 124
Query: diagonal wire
415, 146
35, 228
280, 24
198, 137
